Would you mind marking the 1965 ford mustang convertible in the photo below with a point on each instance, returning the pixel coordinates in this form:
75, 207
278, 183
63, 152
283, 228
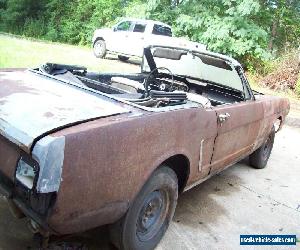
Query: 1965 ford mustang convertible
81, 149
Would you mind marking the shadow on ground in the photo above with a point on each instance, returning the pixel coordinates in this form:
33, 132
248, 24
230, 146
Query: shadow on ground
131, 60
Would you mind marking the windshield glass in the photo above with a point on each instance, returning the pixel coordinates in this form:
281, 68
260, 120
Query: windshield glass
196, 65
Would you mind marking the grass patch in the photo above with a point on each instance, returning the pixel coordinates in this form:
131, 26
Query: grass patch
17, 52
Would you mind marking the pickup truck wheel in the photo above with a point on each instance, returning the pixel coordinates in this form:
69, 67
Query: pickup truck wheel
99, 48
149, 215
123, 58
259, 158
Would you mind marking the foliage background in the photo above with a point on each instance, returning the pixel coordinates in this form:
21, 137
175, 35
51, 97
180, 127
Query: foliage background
253, 31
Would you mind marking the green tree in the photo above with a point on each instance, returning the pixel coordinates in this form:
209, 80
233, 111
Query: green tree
282, 20
17, 11
246, 29
2, 11
226, 26
75, 21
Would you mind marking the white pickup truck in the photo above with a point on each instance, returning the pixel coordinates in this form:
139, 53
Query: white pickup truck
129, 37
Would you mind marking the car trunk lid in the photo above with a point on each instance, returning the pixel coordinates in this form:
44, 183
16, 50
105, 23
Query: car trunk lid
32, 105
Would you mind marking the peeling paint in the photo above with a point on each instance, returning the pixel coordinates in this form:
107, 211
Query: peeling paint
49, 153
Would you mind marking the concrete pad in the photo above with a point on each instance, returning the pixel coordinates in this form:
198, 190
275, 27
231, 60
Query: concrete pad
240, 200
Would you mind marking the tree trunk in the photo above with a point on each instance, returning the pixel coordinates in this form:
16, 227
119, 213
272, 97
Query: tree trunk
273, 35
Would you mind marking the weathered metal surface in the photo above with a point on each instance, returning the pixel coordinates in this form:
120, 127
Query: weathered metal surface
106, 161
273, 108
238, 133
31, 105
9, 156
49, 153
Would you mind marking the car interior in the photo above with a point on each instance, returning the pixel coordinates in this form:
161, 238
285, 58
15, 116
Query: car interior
161, 86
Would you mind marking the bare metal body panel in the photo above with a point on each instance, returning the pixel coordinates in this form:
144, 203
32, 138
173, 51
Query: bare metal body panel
31, 105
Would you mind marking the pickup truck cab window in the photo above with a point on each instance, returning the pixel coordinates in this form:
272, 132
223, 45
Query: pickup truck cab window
161, 30
139, 27
124, 26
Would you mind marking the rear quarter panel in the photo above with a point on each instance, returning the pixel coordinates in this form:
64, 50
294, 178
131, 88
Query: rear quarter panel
107, 162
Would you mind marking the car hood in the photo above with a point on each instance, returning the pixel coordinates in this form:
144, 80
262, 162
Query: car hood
32, 105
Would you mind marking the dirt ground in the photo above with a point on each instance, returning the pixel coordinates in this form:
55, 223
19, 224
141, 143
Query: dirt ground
240, 200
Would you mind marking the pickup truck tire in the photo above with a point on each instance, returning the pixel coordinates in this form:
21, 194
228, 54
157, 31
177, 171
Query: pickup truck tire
123, 58
150, 213
99, 48
259, 158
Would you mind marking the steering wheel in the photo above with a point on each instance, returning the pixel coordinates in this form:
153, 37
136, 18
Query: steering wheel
146, 83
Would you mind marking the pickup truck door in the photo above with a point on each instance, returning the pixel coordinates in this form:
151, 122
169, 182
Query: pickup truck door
136, 39
159, 34
118, 40
238, 129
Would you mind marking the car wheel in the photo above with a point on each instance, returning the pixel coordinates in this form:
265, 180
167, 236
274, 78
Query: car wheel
260, 157
149, 215
123, 58
99, 48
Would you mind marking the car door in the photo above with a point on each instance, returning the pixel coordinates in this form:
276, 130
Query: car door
238, 128
118, 42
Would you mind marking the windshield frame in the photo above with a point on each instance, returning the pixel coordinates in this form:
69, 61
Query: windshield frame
236, 66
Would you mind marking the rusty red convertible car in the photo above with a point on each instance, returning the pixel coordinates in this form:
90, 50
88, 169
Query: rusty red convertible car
79, 149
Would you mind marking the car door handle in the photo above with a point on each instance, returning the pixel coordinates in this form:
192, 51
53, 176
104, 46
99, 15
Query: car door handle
223, 117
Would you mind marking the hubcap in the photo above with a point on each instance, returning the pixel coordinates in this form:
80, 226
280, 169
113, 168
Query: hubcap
99, 48
152, 215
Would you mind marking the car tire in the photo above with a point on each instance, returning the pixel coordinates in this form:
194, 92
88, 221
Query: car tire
123, 58
149, 215
99, 48
259, 158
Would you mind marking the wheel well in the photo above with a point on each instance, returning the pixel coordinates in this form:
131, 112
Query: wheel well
279, 118
181, 166
278, 124
98, 38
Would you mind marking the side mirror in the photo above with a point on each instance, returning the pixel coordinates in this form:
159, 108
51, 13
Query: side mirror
115, 28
